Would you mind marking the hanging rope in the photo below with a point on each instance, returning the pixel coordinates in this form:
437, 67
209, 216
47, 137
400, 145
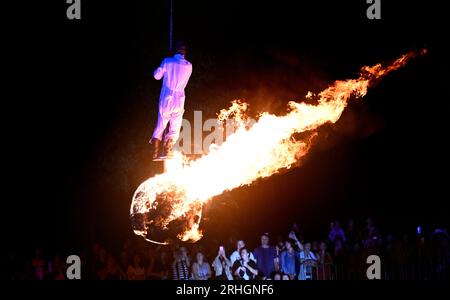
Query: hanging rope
171, 26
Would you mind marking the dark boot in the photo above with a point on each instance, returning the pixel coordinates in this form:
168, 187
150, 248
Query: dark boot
168, 149
155, 143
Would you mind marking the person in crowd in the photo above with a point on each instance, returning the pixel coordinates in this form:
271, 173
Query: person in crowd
356, 263
324, 262
289, 259
40, 265
136, 271
235, 255
245, 268
123, 260
265, 256
307, 263
370, 234
222, 265
59, 270
200, 268
157, 264
315, 246
324, 256
336, 232
280, 245
112, 271
102, 260
181, 264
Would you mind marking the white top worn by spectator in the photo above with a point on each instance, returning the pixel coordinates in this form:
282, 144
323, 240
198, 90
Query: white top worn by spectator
235, 256
307, 262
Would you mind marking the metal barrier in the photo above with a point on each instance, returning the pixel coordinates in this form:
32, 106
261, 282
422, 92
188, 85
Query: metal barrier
419, 270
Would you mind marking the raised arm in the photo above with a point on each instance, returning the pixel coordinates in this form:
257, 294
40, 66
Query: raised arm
159, 72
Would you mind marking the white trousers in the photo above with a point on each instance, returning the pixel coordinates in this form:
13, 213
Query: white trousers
171, 109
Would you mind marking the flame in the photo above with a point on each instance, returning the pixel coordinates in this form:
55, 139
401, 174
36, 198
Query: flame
247, 155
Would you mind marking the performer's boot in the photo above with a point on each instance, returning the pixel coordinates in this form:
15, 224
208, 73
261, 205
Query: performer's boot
168, 149
155, 143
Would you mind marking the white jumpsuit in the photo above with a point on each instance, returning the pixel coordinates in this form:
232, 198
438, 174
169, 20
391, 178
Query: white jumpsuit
176, 71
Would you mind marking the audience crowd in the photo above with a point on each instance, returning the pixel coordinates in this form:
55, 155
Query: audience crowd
342, 254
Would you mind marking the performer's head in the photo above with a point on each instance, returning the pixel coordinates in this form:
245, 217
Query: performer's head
180, 48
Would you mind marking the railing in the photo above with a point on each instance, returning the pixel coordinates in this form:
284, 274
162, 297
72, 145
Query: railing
419, 270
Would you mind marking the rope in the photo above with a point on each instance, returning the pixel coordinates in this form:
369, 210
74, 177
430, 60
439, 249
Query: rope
171, 25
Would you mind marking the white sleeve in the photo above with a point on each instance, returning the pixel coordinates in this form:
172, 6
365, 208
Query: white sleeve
233, 258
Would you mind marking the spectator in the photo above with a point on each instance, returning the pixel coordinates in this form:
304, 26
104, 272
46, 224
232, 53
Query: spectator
280, 243
285, 277
124, 261
102, 259
324, 256
279, 247
185, 256
235, 255
265, 256
157, 264
289, 259
201, 269
356, 263
59, 272
39, 264
324, 262
27, 272
93, 260
307, 262
181, 264
222, 266
112, 271
136, 271
336, 232
441, 249
315, 247
245, 268
371, 231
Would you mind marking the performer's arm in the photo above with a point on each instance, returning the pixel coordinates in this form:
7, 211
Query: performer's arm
159, 72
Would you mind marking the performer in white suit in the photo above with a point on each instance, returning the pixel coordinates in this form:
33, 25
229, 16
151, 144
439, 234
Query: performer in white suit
175, 72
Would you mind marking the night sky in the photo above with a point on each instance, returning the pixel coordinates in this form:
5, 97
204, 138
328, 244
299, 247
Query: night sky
83, 106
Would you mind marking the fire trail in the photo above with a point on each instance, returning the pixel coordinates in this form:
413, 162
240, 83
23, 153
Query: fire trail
169, 205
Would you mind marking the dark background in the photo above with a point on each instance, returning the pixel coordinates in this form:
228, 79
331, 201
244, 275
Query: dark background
82, 105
